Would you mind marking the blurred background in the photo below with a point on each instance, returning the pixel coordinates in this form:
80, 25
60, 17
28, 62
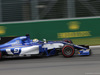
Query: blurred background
24, 10
33, 10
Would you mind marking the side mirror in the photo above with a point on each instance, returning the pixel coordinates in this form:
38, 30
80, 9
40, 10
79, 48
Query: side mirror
44, 40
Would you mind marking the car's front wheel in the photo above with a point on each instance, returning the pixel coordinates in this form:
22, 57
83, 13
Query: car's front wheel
68, 51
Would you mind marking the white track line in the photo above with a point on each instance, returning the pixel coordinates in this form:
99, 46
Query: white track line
98, 46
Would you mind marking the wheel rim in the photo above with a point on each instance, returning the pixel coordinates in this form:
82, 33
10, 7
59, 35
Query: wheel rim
68, 51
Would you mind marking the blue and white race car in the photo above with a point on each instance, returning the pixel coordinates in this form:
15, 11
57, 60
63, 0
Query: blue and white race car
24, 46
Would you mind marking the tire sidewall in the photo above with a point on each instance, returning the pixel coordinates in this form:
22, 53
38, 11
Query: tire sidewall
0, 55
73, 51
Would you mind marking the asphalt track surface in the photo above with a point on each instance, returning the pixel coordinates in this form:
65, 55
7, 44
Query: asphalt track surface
56, 65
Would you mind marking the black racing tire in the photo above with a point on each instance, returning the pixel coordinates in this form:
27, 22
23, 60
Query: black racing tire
68, 41
0, 55
68, 51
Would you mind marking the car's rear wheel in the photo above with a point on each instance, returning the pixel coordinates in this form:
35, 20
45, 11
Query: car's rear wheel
68, 51
0, 55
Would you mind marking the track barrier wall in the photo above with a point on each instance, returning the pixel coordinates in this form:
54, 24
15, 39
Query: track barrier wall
54, 29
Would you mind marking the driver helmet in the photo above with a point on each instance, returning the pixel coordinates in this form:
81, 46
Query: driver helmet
35, 40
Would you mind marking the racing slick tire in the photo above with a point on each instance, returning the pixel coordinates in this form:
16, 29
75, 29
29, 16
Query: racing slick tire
67, 40
0, 55
68, 51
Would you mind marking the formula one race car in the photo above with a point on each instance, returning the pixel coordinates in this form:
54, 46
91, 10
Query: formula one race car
24, 46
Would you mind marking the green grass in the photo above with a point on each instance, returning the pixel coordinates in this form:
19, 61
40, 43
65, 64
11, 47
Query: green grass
87, 41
